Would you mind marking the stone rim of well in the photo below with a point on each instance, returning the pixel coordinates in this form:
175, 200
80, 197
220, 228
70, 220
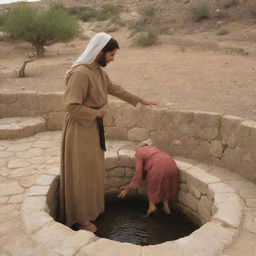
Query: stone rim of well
218, 231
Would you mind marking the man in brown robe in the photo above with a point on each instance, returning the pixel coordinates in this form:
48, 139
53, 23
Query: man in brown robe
82, 157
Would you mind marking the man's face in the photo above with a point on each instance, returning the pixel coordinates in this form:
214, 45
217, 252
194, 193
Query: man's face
106, 58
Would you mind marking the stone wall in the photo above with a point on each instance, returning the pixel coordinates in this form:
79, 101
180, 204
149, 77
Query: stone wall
224, 140
226, 208
196, 196
31, 103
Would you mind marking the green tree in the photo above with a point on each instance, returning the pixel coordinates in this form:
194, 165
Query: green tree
40, 29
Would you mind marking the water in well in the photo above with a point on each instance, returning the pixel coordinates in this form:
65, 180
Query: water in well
124, 221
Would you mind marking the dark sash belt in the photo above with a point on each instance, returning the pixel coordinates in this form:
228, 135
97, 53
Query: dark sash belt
100, 125
101, 133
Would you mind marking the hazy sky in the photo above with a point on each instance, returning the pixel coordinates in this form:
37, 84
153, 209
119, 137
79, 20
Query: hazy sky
12, 1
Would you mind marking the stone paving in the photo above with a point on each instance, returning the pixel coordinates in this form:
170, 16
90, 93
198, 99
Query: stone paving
23, 160
21, 127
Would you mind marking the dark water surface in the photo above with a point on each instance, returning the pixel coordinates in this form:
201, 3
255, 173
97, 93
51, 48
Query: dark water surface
123, 221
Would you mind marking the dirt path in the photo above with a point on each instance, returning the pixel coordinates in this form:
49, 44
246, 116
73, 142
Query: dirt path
188, 71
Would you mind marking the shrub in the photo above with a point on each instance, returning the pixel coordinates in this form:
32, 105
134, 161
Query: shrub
83, 37
137, 26
58, 6
148, 10
145, 38
110, 9
88, 14
101, 16
1, 20
111, 28
117, 20
84, 13
40, 29
253, 11
200, 11
74, 10
222, 14
223, 31
228, 3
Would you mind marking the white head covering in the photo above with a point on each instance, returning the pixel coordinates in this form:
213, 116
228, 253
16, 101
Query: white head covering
95, 45
147, 142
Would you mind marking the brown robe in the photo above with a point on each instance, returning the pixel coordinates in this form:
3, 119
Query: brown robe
82, 159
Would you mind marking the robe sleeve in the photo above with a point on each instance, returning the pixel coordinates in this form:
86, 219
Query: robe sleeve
138, 176
119, 92
77, 89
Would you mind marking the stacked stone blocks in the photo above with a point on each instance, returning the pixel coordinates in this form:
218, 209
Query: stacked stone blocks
223, 140
206, 190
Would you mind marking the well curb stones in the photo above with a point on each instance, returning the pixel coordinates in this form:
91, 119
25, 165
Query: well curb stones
220, 223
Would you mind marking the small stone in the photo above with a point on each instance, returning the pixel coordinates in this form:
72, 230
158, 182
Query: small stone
44, 180
4, 154
247, 193
18, 163
251, 202
216, 148
33, 204
19, 147
250, 221
38, 190
116, 172
25, 171
16, 199
53, 171
33, 152
42, 144
10, 188
53, 160
27, 182
3, 200
183, 165
38, 160
229, 208
2, 162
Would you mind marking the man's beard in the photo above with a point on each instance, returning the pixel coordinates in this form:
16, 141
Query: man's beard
102, 60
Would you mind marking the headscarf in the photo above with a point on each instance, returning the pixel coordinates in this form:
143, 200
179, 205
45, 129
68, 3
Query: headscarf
95, 45
147, 142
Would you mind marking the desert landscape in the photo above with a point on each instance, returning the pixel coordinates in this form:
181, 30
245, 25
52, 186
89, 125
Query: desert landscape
197, 57
192, 66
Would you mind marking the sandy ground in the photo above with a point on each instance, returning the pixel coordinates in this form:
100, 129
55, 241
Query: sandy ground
198, 72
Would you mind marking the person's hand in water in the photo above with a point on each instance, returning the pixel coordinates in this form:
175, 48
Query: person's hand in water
124, 192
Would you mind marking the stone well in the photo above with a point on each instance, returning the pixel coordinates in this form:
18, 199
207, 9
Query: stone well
203, 197
221, 140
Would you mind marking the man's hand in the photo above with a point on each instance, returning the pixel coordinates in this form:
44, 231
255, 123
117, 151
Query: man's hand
124, 192
102, 112
149, 102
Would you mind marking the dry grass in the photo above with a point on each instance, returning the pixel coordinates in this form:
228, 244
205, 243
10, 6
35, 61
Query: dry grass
223, 31
145, 38
201, 11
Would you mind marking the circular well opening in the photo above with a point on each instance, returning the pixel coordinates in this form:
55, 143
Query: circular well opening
124, 221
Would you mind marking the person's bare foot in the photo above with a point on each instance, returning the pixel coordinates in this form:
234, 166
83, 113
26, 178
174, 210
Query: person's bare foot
150, 211
88, 227
167, 210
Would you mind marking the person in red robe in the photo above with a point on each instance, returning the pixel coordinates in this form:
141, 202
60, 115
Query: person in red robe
162, 177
